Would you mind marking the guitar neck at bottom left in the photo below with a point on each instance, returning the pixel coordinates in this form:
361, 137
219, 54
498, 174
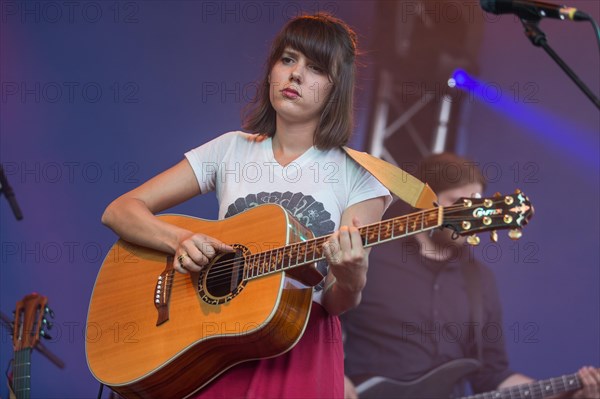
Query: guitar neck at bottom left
21, 381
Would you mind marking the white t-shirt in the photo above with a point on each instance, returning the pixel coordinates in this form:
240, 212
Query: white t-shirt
315, 188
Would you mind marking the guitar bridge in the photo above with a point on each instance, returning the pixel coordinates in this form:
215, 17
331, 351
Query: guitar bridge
162, 291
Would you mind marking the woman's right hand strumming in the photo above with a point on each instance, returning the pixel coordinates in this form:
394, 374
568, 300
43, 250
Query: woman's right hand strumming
131, 216
196, 251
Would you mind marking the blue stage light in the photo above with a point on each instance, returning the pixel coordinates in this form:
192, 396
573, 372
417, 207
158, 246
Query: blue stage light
460, 77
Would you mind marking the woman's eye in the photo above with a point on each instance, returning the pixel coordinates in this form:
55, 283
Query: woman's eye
316, 69
286, 60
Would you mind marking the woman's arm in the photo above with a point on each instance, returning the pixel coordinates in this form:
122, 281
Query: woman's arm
131, 216
347, 258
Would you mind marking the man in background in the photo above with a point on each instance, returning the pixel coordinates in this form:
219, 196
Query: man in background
428, 301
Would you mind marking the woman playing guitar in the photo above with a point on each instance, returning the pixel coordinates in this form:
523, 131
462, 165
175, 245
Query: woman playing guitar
292, 157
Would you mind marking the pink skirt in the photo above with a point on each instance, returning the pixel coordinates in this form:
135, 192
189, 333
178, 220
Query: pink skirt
314, 368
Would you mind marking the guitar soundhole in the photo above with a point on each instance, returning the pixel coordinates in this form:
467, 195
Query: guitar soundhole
223, 279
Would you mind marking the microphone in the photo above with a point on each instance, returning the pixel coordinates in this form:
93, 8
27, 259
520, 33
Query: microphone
532, 10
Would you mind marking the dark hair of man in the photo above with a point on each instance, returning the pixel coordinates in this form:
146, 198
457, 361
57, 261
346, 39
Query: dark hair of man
331, 45
447, 170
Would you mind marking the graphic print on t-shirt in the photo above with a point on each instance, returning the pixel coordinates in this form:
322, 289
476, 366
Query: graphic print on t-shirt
305, 208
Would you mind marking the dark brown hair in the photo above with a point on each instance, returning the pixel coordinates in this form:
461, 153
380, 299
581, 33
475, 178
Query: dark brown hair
331, 44
447, 170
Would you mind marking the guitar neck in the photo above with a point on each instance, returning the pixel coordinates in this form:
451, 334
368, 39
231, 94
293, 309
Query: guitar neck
21, 383
534, 390
310, 251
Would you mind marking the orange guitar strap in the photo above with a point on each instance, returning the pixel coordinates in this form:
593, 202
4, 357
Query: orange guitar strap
404, 185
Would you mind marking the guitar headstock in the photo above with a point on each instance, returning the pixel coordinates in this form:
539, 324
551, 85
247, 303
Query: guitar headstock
468, 216
29, 321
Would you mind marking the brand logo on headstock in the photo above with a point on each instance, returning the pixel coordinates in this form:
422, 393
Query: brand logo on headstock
481, 212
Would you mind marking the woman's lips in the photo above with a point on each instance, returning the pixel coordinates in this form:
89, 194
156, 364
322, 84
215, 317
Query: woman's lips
290, 93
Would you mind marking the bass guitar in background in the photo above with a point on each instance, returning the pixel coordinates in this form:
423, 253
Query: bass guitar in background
439, 383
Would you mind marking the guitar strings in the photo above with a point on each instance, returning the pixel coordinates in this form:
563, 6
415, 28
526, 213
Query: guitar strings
221, 271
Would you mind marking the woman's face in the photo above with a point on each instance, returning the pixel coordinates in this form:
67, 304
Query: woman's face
298, 87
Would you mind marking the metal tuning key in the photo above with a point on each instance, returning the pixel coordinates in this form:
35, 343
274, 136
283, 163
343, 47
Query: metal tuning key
494, 236
515, 234
473, 240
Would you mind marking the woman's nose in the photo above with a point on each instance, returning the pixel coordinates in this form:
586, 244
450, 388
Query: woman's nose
297, 73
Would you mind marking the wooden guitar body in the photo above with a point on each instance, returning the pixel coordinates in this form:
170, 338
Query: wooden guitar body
151, 340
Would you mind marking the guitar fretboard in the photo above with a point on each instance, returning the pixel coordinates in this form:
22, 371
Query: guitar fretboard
21, 382
310, 251
535, 390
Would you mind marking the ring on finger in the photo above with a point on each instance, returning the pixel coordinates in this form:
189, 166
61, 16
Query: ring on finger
181, 257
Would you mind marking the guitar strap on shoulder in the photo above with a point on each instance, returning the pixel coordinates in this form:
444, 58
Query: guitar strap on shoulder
472, 276
407, 187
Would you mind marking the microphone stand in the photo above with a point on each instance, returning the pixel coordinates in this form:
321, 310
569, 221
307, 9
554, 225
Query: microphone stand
538, 39
7, 190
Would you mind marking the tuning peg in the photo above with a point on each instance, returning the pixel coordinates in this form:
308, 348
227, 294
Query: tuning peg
497, 194
49, 311
45, 334
517, 191
515, 234
473, 240
494, 236
47, 323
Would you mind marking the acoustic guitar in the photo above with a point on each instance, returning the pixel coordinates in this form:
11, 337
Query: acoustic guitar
154, 333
